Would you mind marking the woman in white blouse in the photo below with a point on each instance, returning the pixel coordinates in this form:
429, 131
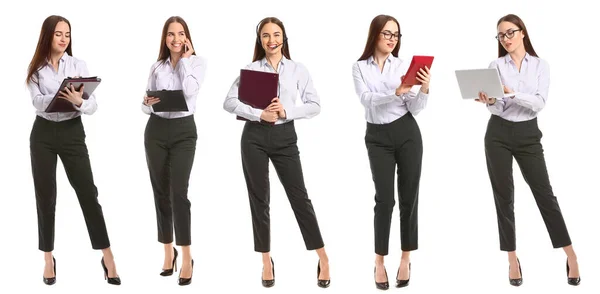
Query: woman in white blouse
513, 132
170, 141
62, 134
270, 134
392, 138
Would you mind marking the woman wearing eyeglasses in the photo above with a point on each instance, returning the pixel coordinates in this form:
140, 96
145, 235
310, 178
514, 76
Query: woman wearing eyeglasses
270, 134
513, 132
392, 138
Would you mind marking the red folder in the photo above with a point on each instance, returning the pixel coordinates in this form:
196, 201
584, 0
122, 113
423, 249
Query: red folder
257, 88
62, 105
418, 62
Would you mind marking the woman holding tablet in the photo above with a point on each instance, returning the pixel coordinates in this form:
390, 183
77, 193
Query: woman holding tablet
392, 138
270, 134
513, 131
170, 141
62, 134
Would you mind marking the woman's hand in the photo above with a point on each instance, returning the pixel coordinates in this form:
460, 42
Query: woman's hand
69, 94
424, 76
483, 98
276, 106
149, 101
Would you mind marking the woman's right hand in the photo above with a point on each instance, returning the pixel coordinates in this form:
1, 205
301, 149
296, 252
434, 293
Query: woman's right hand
402, 89
149, 101
483, 98
269, 116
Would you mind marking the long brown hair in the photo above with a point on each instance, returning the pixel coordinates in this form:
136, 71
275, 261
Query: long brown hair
259, 51
521, 25
44, 45
164, 52
377, 25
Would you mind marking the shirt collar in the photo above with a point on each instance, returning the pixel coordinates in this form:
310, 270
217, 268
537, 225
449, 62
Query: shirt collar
371, 59
265, 62
62, 58
507, 58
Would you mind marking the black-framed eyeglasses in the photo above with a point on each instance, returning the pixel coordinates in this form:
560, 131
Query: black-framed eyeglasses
388, 35
509, 34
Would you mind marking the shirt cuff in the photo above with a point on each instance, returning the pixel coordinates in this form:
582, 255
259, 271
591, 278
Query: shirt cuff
84, 106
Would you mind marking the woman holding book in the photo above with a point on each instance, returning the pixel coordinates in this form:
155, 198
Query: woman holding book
392, 138
170, 142
269, 134
62, 134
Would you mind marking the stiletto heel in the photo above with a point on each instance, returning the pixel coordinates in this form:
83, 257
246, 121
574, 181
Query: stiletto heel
269, 283
186, 281
572, 281
403, 283
516, 282
51, 281
112, 281
384, 285
169, 272
321, 283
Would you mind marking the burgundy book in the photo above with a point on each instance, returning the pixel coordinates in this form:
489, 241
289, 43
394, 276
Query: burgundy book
257, 88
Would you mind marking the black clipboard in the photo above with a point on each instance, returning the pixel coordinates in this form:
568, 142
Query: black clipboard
62, 105
170, 100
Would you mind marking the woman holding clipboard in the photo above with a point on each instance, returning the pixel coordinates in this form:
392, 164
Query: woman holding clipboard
513, 131
392, 138
62, 134
170, 142
270, 134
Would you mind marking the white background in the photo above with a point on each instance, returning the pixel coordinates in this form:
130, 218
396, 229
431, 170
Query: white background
459, 248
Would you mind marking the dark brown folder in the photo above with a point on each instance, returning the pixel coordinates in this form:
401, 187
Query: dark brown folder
257, 88
170, 100
62, 105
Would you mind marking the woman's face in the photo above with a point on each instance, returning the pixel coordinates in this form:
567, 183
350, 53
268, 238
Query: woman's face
510, 36
62, 37
388, 38
271, 36
176, 37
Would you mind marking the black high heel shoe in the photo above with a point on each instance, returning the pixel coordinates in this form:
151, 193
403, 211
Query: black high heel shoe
403, 283
112, 281
169, 272
51, 281
384, 285
572, 281
516, 282
269, 283
186, 281
321, 283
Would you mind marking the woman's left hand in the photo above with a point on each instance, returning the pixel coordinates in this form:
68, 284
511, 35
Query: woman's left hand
69, 94
424, 76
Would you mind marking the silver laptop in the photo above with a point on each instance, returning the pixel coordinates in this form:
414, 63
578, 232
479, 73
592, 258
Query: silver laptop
473, 81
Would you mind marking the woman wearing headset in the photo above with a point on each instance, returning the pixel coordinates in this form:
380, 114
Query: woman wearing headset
392, 138
513, 131
170, 142
63, 134
270, 134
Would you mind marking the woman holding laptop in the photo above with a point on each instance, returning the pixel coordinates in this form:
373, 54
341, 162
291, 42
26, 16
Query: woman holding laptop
170, 142
62, 134
392, 138
513, 132
269, 134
